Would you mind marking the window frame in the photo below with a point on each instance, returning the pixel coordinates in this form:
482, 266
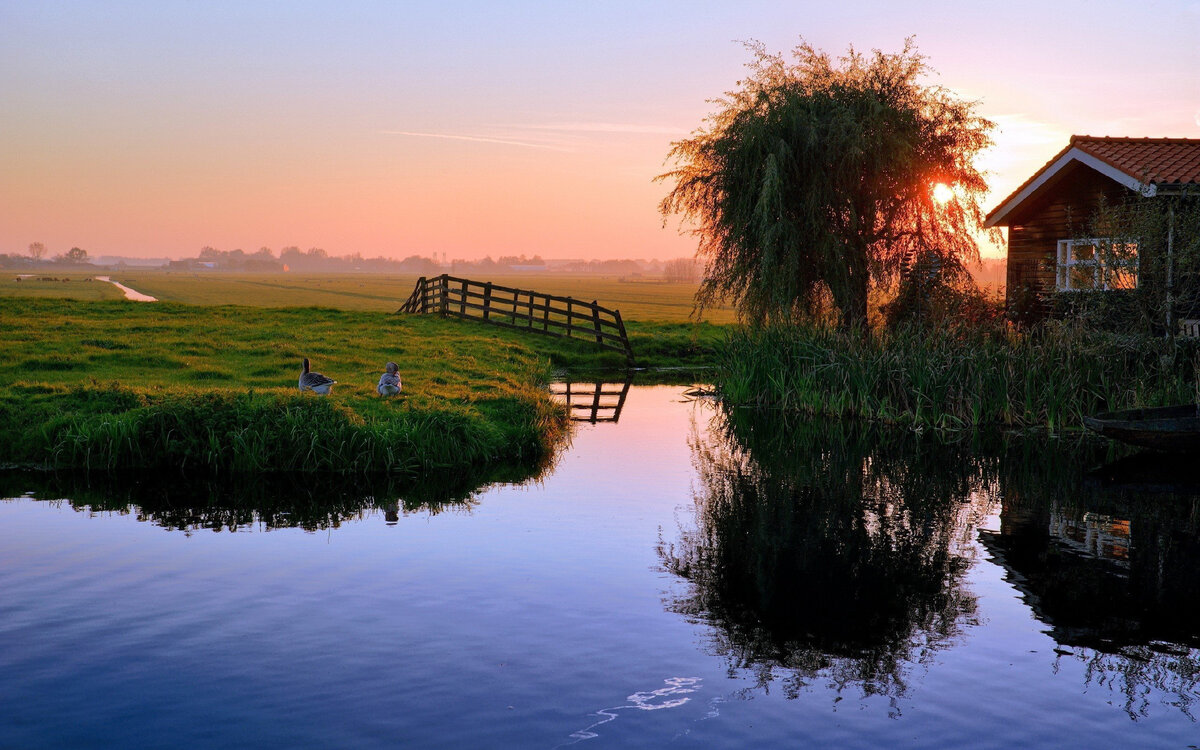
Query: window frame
1103, 271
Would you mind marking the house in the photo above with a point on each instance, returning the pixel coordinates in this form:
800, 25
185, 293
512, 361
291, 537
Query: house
1047, 216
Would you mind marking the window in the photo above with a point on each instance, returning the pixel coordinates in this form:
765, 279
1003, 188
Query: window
1096, 264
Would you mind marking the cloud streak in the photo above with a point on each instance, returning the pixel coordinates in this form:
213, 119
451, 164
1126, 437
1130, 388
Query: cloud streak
606, 127
475, 139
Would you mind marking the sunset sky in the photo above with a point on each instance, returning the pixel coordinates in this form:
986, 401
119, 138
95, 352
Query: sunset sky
490, 128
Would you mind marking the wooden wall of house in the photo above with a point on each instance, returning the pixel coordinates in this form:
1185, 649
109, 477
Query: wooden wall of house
1063, 211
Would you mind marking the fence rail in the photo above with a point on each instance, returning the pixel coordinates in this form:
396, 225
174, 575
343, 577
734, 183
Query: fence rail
522, 309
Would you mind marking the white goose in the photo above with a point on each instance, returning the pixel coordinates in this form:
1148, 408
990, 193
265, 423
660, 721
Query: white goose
315, 381
389, 381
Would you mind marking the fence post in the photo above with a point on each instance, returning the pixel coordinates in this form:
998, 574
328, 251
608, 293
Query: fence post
545, 313
624, 336
596, 322
487, 300
410, 304
570, 317
424, 302
462, 303
443, 291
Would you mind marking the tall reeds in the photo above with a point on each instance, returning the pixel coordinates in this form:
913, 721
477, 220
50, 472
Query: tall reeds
946, 378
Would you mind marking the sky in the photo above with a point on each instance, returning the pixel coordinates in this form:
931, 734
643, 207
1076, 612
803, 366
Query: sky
491, 128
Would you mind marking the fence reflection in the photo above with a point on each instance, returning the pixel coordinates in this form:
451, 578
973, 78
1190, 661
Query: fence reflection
592, 402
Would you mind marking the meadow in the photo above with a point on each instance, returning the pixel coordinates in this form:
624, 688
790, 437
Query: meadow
135, 385
479, 390
193, 380
641, 300
59, 285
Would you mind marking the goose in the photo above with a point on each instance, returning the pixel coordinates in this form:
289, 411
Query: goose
315, 381
389, 381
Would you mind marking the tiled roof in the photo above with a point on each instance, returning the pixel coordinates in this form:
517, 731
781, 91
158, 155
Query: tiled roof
1141, 164
1147, 160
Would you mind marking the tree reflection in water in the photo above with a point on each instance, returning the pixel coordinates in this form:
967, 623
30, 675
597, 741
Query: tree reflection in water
837, 552
820, 551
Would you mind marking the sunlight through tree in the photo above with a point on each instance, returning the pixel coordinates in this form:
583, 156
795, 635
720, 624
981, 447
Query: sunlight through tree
815, 181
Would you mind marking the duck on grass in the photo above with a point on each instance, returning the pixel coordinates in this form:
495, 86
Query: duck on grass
314, 381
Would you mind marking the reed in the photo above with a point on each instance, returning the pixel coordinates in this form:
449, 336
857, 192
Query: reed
949, 378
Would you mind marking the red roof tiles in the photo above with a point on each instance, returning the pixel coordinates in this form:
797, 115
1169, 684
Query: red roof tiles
1141, 164
1148, 160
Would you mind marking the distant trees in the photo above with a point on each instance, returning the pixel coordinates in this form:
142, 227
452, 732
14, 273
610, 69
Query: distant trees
76, 256
37, 251
814, 182
681, 270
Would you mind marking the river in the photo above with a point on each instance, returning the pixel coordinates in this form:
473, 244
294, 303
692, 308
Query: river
678, 577
130, 294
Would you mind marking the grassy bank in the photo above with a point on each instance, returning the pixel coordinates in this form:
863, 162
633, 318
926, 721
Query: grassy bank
206, 376
1051, 377
122, 384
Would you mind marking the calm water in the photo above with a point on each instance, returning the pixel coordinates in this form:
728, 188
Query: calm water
678, 578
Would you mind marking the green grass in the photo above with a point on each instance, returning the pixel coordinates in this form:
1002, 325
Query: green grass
65, 285
124, 384
1052, 377
195, 380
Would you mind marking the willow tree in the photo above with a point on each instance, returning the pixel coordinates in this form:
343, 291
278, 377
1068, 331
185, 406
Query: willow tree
815, 181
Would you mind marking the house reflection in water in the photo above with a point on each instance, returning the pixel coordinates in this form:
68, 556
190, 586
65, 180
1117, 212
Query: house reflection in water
843, 551
1116, 587
1093, 535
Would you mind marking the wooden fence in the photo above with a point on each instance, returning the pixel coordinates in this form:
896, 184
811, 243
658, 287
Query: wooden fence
521, 309
592, 402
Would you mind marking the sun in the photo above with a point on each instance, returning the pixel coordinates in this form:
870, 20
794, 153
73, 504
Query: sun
942, 193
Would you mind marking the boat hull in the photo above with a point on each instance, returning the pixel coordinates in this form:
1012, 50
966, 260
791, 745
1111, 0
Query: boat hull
1166, 428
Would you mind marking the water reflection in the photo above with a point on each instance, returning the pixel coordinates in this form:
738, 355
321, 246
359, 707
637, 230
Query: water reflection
592, 401
814, 551
1108, 559
266, 501
838, 552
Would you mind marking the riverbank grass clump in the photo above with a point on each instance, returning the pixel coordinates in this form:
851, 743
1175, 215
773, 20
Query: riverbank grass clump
117, 427
1052, 376
118, 385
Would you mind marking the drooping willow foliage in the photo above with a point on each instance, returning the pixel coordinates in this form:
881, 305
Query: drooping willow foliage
813, 182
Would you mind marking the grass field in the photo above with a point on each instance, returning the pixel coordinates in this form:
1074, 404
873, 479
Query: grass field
92, 383
646, 301
58, 285
127, 384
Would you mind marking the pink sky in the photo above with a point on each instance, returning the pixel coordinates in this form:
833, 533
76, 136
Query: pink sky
478, 128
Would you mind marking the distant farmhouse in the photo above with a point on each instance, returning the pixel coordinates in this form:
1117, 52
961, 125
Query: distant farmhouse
1047, 215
